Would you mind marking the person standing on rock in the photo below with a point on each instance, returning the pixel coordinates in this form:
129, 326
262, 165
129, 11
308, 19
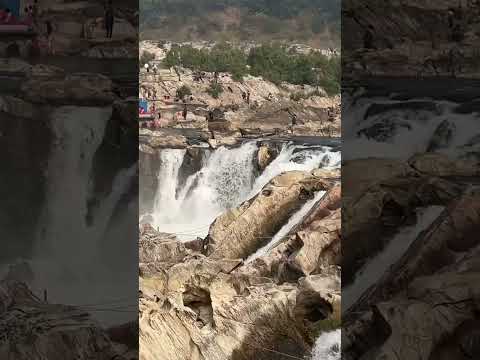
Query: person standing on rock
368, 38
109, 18
35, 12
50, 40
248, 97
185, 112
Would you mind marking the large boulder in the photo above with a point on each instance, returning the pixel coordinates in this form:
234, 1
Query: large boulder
241, 231
309, 248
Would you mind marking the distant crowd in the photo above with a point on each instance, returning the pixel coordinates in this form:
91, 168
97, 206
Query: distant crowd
29, 17
44, 30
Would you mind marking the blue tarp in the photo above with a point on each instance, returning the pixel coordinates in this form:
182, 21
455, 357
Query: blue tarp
13, 5
143, 104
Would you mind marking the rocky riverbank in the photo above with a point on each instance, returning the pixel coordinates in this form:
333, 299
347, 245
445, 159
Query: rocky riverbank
202, 299
243, 108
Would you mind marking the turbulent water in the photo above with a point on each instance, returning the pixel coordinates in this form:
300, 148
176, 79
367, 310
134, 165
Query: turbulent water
396, 247
226, 179
327, 346
401, 133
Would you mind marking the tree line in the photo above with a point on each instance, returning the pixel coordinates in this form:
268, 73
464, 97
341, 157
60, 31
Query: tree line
273, 62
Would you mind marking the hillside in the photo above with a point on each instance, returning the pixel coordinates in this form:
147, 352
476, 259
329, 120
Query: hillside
314, 22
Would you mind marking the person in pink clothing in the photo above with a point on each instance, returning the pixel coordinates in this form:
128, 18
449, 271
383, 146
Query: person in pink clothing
8, 18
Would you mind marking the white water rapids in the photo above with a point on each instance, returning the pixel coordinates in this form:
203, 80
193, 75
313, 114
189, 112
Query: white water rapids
327, 346
418, 128
226, 179
396, 247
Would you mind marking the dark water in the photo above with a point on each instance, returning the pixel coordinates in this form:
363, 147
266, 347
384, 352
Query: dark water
437, 88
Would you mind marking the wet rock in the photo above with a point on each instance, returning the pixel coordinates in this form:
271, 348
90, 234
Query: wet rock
264, 157
384, 130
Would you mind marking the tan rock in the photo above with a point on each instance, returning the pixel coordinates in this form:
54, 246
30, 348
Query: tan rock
241, 231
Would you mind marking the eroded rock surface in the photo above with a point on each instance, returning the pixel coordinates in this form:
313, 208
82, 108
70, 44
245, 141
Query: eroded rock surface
217, 307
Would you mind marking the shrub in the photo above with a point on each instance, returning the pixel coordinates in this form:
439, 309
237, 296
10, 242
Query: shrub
214, 90
146, 57
183, 91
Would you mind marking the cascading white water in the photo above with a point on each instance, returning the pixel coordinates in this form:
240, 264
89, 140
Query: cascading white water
294, 220
78, 134
220, 184
406, 141
226, 179
166, 205
286, 161
396, 247
327, 346
68, 261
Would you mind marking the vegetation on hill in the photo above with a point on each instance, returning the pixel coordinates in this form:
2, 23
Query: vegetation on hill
185, 20
273, 62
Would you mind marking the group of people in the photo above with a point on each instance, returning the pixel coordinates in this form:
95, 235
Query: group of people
30, 16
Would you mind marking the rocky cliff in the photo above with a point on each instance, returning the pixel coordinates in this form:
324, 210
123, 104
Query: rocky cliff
199, 301
439, 38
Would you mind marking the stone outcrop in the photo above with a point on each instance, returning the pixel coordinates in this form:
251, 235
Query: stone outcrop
212, 307
241, 231
58, 331
311, 247
426, 45
385, 196
430, 293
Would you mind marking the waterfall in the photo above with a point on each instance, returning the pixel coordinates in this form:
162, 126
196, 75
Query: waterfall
226, 179
293, 221
165, 199
327, 346
69, 259
305, 160
78, 134
397, 246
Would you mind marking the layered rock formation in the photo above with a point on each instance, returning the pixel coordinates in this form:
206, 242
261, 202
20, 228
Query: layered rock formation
439, 38
199, 300
429, 293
